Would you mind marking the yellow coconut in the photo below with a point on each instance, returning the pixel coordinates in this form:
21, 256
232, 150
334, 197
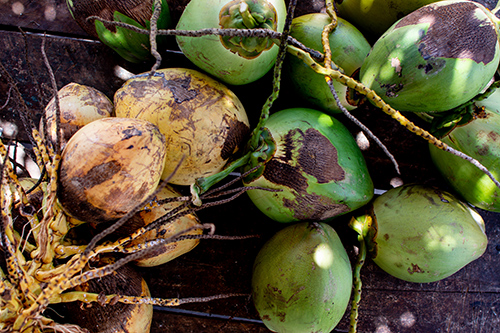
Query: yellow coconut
79, 105
113, 317
200, 117
109, 167
157, 208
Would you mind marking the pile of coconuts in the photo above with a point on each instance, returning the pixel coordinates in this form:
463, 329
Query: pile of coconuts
177, 126
182, 125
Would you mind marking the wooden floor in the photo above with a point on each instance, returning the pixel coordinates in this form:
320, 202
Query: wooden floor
468, 301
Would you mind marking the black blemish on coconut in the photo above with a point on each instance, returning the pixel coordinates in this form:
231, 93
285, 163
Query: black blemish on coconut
318, 157
391, 90
454, 32
236, 132
131, 132
180, 89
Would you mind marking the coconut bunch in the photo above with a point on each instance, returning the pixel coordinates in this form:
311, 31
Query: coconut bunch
178, 125
116, 158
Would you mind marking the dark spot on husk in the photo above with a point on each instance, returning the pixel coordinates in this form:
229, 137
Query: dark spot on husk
266, 317
429, 198
236, 133
99, 174
284, 174
180, 88
391, 90
96, 317
308, 206
386, 237
494, 136
71, 191
441, 196
319, 158
414, 269
483, 150
454, 32
316, 157
433, 65
130, 132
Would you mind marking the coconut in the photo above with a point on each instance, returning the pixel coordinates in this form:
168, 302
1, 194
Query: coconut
422, 234
203, 122
79, 105
315, 165
479, 139
414, 65
233, 59
109, 167
349, 49
302, 279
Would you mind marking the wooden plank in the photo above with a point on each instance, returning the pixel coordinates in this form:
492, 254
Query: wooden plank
447, 312
51, 16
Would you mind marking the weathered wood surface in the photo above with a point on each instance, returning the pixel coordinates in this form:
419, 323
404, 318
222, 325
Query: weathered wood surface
468, 301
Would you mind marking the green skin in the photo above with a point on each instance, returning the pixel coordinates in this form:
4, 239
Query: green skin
210, 55
411, 74
421, 234
492, 102
374, 17
317, 166
479, 139
302, 279
349, 49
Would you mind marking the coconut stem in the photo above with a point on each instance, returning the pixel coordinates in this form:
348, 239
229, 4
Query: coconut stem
496, 9
357, 284
204, 184
328, 63
261, 33
386, 108
152, 35
359, 227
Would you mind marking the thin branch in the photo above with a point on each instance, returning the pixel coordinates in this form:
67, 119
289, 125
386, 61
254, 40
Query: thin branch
261, 33
363, 127
7, 100
152, 36
57, 147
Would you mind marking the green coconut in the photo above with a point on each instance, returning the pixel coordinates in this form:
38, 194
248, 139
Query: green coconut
434, 59
302, 279
315, 165
349, 49
374, 17
422, 234
479, 139
234, 60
